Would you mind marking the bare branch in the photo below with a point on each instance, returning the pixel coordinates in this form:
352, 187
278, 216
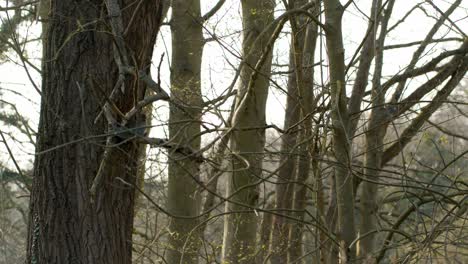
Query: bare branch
213, 10
426, 112
414, 43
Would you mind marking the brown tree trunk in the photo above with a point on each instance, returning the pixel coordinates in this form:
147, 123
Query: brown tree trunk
79, 71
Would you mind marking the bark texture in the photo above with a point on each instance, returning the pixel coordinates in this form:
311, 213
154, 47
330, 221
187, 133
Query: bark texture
79, 71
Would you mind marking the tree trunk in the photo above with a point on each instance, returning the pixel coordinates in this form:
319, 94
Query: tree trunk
341, 141
265, 236
66, 224
288, 162
240, 229
305, 57
184, 129
375, 135
362, 75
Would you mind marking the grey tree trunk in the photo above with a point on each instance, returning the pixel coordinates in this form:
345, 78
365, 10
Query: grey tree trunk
304, 57
362, 76
288, 162
287, 172
240, 229
375, 135
341, 141
184, 129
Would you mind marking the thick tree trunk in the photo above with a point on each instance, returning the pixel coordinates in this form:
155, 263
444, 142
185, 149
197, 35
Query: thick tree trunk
184, 129
240, 229
79, 71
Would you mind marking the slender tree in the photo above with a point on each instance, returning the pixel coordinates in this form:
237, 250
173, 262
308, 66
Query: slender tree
304, 59
247, 143
290, 186
340, 123
288, 160
184, 129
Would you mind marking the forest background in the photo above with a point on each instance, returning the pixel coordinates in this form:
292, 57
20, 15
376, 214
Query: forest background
233, 131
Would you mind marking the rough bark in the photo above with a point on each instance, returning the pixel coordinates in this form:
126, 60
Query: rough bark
79, 71
184, 129
240, 229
